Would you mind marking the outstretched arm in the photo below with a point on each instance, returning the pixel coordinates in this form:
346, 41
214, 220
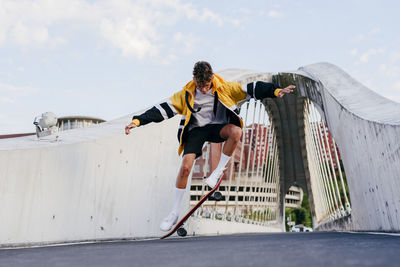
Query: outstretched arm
261, 90
162, 111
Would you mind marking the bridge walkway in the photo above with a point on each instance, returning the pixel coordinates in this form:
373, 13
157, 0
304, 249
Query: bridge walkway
274, 249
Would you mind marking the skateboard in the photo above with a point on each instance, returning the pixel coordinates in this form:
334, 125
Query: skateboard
211, 195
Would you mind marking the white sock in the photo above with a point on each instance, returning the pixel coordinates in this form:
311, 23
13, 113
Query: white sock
223, 161
178, 199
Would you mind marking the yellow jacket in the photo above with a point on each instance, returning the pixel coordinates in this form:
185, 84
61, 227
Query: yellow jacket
227, 93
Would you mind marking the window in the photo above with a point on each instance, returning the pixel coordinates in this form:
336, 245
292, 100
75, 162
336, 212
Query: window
196, 168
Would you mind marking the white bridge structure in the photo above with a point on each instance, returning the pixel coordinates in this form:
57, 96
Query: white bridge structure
96, 183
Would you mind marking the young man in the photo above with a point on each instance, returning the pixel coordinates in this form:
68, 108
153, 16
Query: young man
209, 113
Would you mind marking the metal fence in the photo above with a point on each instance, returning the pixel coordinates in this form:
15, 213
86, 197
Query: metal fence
251, 182
326, 173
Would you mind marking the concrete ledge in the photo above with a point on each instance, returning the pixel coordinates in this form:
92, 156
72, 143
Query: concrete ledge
200, 226
96, 184
336, 225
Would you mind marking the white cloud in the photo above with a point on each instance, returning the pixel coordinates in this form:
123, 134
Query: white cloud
354, 52
168, 59
364, 36
6, 100
187, 40
365, 57
374, 30
134, 27
274, 14
211, 16
389, 70
246, 11
397, 86
16, 90
394, 56
25, 36
358, 38
6, 74
27, 23
178, 37
133, 37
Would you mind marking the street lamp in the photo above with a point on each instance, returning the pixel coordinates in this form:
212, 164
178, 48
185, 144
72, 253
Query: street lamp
46, 124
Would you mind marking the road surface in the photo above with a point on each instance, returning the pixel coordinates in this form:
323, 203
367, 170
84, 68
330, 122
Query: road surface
273, 249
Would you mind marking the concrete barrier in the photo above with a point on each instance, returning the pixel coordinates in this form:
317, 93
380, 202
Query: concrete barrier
95, 183
201, 226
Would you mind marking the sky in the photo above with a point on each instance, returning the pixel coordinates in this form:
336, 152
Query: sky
110, 58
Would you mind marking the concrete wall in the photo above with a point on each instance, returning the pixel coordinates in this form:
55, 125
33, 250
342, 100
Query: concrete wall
96, 183
366, 127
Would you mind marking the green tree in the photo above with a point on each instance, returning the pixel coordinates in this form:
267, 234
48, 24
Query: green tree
301, 215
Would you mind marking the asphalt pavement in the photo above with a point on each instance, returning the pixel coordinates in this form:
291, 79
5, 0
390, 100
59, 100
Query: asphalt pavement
274, 249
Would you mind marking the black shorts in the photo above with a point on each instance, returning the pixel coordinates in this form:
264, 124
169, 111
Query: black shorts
196, 138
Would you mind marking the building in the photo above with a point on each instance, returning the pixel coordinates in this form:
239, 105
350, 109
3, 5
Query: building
64, 123
72, 122
329, 146
294, 197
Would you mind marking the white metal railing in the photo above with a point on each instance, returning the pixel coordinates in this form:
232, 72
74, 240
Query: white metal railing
321, 154
251, 184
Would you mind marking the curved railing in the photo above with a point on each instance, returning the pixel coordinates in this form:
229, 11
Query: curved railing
366, 128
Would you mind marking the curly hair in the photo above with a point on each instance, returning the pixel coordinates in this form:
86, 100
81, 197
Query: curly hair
202, 72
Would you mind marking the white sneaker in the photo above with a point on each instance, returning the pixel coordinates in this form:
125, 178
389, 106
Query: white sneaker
169, 221
214, 177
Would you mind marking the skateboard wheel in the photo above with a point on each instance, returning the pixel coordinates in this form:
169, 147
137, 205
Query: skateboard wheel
181, 232
217, 196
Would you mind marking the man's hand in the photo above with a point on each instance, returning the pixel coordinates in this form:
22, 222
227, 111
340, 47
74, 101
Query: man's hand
286, 90
129, 127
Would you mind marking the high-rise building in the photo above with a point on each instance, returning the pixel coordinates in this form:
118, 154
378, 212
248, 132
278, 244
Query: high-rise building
328, 147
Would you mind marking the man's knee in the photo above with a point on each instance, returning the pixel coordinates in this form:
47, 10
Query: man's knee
235, 133
185, 169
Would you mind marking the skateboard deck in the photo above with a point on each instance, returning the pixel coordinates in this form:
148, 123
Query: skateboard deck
190, 212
